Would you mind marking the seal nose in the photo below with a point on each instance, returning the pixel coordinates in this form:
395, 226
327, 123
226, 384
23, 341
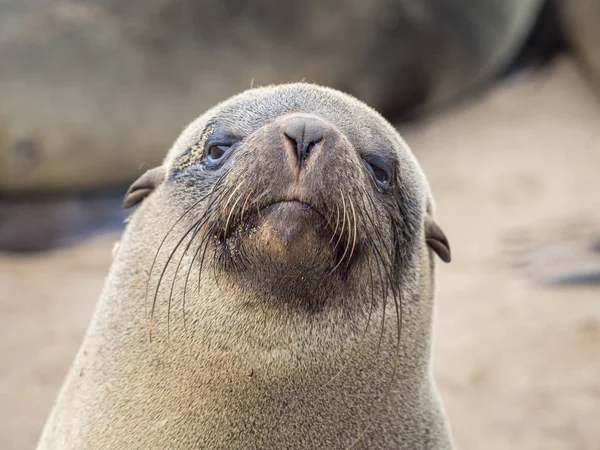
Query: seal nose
305, 133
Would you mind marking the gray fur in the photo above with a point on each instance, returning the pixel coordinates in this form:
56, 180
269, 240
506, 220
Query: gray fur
253, 364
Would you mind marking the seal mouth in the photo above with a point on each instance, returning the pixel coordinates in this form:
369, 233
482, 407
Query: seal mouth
294, 204
292, 218
295, 224
245, 223
303, 205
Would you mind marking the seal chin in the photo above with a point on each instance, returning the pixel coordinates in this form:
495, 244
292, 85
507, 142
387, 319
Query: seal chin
285, 251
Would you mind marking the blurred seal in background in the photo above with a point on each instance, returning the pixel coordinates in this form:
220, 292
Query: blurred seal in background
565, 250
92, 89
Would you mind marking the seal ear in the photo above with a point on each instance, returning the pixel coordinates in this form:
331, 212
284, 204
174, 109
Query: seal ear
143, 186
436, 240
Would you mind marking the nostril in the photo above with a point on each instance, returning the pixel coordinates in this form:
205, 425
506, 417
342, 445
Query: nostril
313, 134
305, 136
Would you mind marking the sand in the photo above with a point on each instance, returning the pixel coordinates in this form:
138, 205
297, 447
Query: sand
517, 363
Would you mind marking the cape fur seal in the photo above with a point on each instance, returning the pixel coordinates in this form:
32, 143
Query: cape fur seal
274, 289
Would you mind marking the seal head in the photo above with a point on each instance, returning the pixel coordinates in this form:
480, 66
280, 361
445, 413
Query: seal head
301, 194
284, 257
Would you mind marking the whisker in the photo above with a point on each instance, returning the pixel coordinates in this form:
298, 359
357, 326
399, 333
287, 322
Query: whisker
232, 209
355, 231
344, 232
198, 226
161, 278
344, 221
215, 188
161, 245
337, 218
244, 206
203, 242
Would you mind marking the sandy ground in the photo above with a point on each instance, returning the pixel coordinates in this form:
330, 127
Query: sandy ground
518, 364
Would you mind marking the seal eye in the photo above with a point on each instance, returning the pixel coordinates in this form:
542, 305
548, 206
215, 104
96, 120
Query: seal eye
380, 175
380, 171
216, 152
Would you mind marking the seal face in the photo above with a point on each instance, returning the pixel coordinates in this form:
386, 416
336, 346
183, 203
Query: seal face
282, 228
305, 188
294, 196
